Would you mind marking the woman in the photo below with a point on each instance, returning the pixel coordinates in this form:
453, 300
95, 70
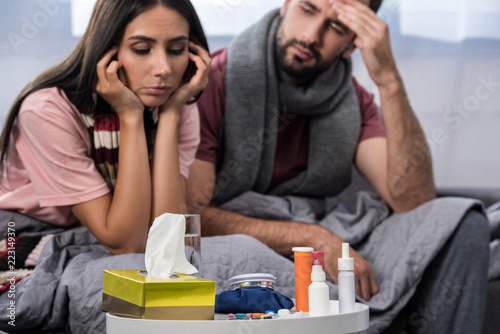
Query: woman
124, 86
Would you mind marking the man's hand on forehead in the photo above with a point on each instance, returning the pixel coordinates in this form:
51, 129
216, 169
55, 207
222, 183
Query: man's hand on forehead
372, 38
356, 15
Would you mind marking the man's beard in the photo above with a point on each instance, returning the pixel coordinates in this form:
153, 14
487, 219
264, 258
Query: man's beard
302, 72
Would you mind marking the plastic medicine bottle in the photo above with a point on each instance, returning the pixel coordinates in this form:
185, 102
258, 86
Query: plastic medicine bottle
319, 297
346, 281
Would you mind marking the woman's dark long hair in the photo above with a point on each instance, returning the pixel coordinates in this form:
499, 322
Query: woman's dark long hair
76, 74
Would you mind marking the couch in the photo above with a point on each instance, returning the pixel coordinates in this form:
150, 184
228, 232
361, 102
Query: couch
488, 197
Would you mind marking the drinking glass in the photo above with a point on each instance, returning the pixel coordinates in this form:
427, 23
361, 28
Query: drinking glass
192, 241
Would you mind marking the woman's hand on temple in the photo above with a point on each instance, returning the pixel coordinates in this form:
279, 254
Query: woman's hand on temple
111, 86
186, 90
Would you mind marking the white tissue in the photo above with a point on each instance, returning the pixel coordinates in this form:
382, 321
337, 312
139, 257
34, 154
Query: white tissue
165, 253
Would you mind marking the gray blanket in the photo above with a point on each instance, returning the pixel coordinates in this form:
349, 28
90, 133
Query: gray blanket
494, 219
66, 286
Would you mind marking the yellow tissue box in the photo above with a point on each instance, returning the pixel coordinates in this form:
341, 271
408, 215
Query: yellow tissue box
130, 293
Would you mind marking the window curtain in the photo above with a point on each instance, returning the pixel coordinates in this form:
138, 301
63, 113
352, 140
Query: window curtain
450, 20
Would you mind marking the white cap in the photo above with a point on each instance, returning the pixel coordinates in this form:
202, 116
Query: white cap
303, 249
346, 262
317, 274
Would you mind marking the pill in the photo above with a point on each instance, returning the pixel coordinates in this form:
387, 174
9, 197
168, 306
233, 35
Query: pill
284, 311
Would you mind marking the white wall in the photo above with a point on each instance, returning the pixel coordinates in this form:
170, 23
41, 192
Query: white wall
438, 73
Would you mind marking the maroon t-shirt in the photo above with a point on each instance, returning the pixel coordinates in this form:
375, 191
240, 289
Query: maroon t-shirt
292, 146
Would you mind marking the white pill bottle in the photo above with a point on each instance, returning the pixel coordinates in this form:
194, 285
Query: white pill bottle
346, 281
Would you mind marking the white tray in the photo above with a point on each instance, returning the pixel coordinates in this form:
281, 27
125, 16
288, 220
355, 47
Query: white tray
331, 324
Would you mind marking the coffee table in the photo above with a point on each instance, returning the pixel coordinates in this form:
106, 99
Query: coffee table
334, 323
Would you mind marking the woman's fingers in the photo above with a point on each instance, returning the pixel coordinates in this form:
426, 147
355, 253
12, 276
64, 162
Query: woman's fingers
112, 72
111, 85
201, 75
202, 60
200, 51
102, 65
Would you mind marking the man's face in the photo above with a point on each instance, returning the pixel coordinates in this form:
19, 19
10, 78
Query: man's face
310, 37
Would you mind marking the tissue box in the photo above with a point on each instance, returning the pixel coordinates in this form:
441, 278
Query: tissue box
130, 293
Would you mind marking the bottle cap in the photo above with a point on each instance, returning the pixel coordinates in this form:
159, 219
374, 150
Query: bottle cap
317, 274
320, 255
346, 262
302, 249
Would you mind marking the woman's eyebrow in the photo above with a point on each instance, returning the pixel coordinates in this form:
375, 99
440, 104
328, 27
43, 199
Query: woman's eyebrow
149, 39
142, 38
178, 39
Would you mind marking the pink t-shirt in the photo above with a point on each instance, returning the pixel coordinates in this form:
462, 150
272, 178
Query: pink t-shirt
49, 168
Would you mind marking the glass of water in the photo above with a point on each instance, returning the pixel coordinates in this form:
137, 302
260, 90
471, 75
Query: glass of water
192, 241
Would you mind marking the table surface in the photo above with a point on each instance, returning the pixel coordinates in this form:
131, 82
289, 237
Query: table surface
334, 323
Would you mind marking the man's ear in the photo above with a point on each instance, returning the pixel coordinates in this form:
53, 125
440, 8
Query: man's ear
284, 8
348, 50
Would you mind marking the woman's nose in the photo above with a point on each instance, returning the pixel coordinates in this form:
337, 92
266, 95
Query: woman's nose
161, 66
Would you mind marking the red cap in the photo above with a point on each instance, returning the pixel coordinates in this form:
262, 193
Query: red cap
320, 255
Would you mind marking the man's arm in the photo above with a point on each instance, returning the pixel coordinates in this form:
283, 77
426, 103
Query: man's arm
281, 236
399, 167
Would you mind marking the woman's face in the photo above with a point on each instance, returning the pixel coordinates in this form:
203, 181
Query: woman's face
154, 54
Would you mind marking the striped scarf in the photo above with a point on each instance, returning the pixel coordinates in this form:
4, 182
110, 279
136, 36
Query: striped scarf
104, 131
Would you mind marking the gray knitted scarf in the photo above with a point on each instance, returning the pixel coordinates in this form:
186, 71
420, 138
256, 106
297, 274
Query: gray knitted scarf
255, 91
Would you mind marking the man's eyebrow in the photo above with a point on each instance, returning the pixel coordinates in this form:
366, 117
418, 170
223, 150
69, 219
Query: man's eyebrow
149, 39
341, 25
311, 5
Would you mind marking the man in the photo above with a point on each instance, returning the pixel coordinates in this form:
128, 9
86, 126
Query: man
282, 116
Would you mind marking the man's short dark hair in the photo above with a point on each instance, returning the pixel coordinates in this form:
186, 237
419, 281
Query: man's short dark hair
375, 5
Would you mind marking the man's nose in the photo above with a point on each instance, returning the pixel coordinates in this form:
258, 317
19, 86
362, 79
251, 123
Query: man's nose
312, 33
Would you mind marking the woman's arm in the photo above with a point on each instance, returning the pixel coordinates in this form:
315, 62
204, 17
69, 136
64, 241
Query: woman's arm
167, 183
167, 191
120, 222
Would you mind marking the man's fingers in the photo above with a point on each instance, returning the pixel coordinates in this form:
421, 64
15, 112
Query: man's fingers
373, 284
364, 14
357, 286
364, 286
359, 26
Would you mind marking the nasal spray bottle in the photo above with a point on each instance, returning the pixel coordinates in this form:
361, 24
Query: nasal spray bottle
346, 281
319, 297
